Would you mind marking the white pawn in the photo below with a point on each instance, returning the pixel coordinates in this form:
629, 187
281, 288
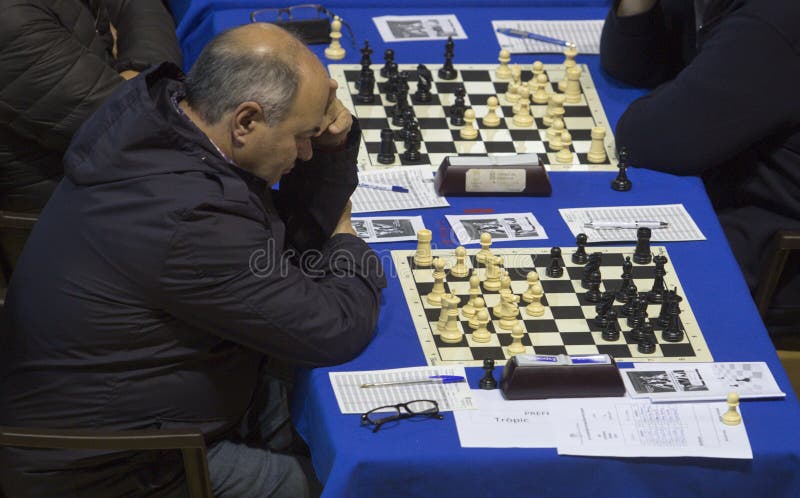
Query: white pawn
503, 72
540, 95
480, 305
564, 155
536, 308
523, 118
532, 278
468, 131
537, 68
335, 51
573, 91
554, 134
597, 149
486, 243
481, 333
460, 269
491, 120
516, 346
732, 417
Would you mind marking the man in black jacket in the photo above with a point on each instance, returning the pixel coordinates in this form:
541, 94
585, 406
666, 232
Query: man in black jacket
60, 61
726, 109
180, 272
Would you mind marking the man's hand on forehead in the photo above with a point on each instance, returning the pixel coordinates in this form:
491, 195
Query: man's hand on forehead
336, 122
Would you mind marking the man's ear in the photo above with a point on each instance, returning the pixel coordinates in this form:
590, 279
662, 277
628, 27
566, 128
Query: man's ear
245, 118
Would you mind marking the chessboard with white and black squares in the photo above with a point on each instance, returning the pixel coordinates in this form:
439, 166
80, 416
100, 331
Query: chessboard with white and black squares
441, 139
567, 327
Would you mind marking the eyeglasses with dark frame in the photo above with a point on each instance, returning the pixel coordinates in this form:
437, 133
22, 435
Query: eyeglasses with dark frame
389, 413
303, 19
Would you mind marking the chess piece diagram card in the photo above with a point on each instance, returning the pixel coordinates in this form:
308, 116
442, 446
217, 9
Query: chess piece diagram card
504, 226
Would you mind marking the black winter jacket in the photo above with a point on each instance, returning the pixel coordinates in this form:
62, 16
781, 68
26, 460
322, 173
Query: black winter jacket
56, 68
173, 278
730, 113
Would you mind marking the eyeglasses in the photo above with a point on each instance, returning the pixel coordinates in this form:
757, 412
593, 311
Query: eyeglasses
383, 414
309, 21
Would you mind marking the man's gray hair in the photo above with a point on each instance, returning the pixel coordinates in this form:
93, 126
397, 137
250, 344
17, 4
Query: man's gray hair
226, 74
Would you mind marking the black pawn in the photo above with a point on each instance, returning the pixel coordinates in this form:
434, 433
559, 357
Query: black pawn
488, 381
593, 295
555, 270
621, 182
642, 254
646, 346
458, 107
388, 58
673, 332
579, 257
386, 155
611, 332
413, 143
447, 71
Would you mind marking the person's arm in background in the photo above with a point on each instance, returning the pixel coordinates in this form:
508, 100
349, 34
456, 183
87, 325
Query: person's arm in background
49, 82
642, 46
145, 34
730, 97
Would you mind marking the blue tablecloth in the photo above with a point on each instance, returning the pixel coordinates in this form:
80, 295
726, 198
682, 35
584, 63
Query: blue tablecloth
425, 458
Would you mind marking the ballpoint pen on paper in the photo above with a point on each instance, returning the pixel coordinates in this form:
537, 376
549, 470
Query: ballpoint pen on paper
626, 224
518, 33
433, 379
380, 186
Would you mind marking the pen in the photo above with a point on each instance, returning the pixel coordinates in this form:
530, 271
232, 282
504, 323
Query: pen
433, 379
626, 224
518, 33
380, 186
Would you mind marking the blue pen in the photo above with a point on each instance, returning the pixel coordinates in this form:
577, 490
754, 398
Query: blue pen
518, 33
433, 379
380, 186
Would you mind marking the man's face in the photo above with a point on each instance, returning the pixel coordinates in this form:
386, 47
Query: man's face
270, 152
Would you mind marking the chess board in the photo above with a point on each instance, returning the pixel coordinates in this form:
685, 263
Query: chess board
567, 327
441, 139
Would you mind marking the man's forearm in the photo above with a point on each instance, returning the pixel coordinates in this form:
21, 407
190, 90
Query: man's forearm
628, 8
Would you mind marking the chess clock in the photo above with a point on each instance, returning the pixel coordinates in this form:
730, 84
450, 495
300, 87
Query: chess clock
523, 174
532, 376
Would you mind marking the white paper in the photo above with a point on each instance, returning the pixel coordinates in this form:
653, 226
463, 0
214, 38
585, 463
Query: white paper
681, 225
417, 179
670, 382
502, 226
625, 427
387, 229
419, 28
500, 423
353, 398
585, 34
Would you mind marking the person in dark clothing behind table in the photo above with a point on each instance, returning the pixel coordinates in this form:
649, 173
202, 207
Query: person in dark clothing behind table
182, 279
59, 62
727, 110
